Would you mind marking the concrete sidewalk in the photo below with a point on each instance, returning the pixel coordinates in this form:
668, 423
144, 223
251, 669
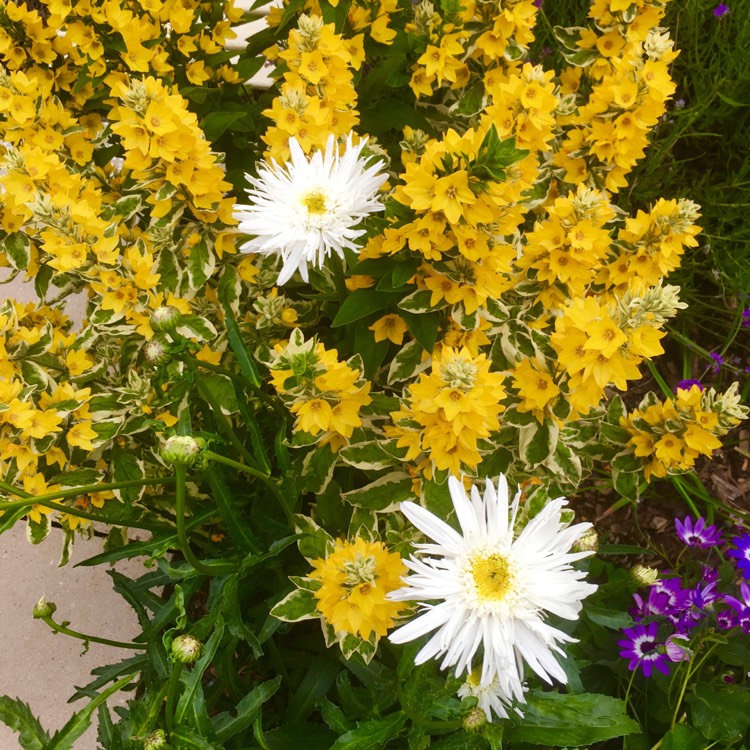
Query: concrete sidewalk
36, 665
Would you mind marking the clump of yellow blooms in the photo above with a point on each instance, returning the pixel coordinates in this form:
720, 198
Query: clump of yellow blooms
668, 436
317, 95
449, 411
325, 394
355, 579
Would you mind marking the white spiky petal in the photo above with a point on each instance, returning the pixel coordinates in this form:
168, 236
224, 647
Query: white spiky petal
309, 207
509, 624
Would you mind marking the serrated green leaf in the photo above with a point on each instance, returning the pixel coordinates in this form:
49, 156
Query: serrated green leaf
370, 735
17, 716
228, 724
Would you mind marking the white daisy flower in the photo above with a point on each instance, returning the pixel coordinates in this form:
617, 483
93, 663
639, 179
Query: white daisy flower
310, 207
490, 696
487, 589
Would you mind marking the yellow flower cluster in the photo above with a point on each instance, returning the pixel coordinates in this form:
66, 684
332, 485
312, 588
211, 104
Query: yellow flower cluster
670, 435
317, 96
598, 342
42, 421
452, 51
449, 411
66, 44
166, 148
355, 579
627, 58
324, 394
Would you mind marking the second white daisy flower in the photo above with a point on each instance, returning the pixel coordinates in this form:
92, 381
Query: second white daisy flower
486, 590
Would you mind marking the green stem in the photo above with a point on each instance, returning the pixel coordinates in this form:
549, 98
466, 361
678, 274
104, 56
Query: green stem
666, 390
91, 638
29, 499
677, 483
688, 675
265, 478
339, 277
84, 490
180, 496
172, 688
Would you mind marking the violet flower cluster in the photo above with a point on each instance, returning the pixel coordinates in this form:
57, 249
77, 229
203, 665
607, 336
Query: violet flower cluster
668, 613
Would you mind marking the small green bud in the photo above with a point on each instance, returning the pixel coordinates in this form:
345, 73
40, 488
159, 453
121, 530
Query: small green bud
643, 576
182, 449
157, 740
44, 609
589, 542
474, 720
165, 319
186, 649
156, 351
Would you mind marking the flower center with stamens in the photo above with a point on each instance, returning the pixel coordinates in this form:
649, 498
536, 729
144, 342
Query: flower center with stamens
315, 203
493, 576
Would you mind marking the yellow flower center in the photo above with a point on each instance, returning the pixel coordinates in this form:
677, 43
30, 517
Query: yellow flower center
492, 576
315, 203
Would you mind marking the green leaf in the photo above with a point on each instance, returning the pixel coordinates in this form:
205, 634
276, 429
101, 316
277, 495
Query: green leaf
300, 604
185, 739
194, 326
609, 618
17, 715
317, 469
216, 123
229, 508
424, 328
127, 466
229, 288
307, 736
557, 720
222, 390
361, 303
36, 533
384, 492
371, 735
201, 264
234, 337
192, 679
368, 456
408, 362
720, 713
314, 685
128, 206
314, 542
535, 443
227, 724
683, 737
419, 302
18, 249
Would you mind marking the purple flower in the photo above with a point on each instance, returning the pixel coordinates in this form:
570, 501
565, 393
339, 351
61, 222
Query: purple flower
677, 648
643, 649
718, 362
741, 553
677, 597
656, 603
686, 385
721, 10
746, 317
698, 534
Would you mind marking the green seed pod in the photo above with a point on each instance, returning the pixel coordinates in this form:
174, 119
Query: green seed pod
157, 740
186, 649
165, 319
182, 450
44, 609
156, 351
474, 720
